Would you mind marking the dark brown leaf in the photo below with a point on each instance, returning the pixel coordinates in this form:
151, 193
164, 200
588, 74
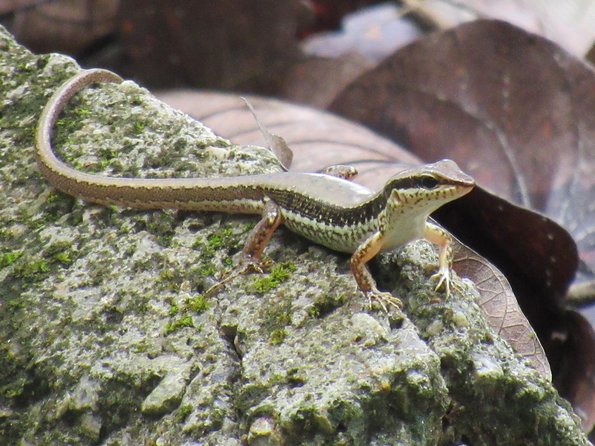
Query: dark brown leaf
317, 81
518, 113
222, 44
575, 338
568, 23
514, 110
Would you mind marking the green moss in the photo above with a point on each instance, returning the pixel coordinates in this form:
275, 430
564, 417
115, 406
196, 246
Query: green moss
167, 275
60, 252
13, 389
184, 321
138, 128
67, 125
179, 145
108, 153
54, 196
207, 270
295, 376
224, 238
279, 274
261, 285
198, 304
63, 257
8, 258
276, 321
314, 311
282, 271
282, 319
34, 270
220, 238
174, 310
6, 234
162, 224
278, 336
183, 412
36, 221
82, 112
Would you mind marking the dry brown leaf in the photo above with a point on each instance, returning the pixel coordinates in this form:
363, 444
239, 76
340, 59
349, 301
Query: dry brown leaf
501, 307
514, 110
275, 143
569, 23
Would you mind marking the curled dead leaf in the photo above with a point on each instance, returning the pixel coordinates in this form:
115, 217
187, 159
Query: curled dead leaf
501, 307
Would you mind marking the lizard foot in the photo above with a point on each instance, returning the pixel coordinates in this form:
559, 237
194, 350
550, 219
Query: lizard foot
246, 265
384, 299
444, 280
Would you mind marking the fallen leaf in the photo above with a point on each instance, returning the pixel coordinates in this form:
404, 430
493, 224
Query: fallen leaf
513, 110
518, 113
318, 139
575, 338
275, 143
568, 23
501, 307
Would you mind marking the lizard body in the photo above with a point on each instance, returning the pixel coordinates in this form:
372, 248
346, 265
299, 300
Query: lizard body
326, 209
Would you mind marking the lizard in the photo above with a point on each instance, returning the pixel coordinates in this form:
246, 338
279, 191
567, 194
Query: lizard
327, 209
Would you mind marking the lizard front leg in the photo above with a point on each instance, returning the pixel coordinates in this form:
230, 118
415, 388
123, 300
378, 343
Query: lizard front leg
439, 236
366, 283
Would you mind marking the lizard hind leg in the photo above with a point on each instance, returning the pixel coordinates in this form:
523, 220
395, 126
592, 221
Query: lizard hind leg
258, 239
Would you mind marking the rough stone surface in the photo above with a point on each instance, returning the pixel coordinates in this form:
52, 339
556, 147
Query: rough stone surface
106, 339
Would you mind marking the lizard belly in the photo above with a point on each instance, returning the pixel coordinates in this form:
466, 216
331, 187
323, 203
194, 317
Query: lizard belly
336, 237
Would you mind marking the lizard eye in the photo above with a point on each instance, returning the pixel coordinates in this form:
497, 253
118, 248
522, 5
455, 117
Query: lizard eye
428, 182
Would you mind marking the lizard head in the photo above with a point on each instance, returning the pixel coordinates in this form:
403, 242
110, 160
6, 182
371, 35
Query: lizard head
428, 187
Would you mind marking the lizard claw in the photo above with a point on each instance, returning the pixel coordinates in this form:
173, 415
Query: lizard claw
249, 265
246, 265
383, 299
444, 278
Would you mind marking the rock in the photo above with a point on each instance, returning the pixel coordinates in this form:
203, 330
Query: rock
106, 337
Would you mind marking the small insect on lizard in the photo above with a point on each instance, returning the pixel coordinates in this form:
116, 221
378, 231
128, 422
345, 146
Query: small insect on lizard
326, 209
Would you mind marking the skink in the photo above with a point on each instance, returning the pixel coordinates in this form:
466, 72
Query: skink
326, 209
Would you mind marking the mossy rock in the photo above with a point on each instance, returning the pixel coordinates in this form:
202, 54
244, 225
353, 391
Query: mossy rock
107, 338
